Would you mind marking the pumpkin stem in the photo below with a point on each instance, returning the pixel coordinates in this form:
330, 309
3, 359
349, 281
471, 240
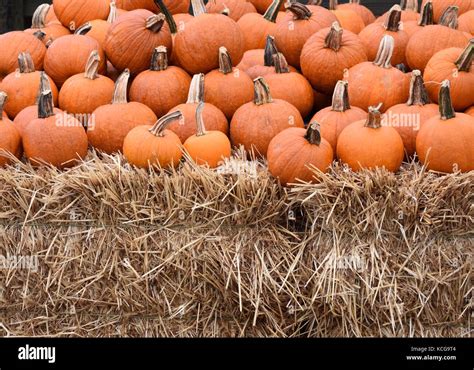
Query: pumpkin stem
169, 17
45, 105
201, 129
44, 85
3, 100
272, 11
374, 119
426, 17
270, 50
392, 23
385, 52
313, 133
446, 109
464, 63
120, 92
401, 67
225, 61
334, 38
262, 92
315, 2
160, 126
409, 5
333, 4
86, 27
155, 22
196, 90
159, 59
198, 7
92, 66
340, 98
40, 35
113, 13
39, 16
280, 63
418, 93
300, 11
25, 63
450, 17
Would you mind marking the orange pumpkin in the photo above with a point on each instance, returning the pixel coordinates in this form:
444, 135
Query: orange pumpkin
444, 143
47, 32
348, 19
365, 13
110, 124
327, 54
73, 14
337, 117
408, 118
208, 148
262, 5
367, 144
256, 123
153, 145
470, 111
466, 22
10, 139
175, 6
441, 68
234, 9
213, 116
22, 86
99, 27
426, 19
440, 6
409, 12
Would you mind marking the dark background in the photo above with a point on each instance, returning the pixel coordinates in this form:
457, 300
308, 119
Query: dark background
16, 14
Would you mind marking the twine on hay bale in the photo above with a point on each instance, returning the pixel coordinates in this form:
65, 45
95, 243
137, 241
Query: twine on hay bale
194, 252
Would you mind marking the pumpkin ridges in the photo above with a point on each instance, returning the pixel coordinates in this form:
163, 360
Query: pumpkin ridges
440, 7
348, 19
73, 14
366, 14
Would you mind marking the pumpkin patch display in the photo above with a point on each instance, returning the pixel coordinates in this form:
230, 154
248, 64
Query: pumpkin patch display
444, 143
348, 19
234, 9
10, 139
355, 5
256, 123
74, 14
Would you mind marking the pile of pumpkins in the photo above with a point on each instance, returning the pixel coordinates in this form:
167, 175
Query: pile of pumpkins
147, 78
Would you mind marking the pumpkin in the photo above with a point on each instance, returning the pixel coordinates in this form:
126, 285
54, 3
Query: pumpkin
211, 30
83, 93
16, 42
262, 5
371, 83
440, 7
301, 23
51, 16
466, 22
68, 55
22, 86
409, 117
138, 30
175, 6
10, 139
444, 143
470, 111
73, 14
409, 12
30, 113
426, 19
99, 27
256, 27
213, 116
228, 88
47, 32
290, 86
294, 153
339, 115
431, 39
348, 19
234, 9
256, 123
153, 145
367, 144
365, 13
57, 139
110, 124
441, 68
327, 54
162, 87
208, 148
373, 34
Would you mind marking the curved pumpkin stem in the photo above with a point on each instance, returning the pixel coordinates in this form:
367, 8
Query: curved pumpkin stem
225, 61
262, 92
169, 17
280, 63
450, 17
418, 93
409, 5
159, 59
120, 92
334, 38
198, 7
44, 85
313, 133
201, 129
340, 98
385, 52
113, 13
156, 22
92, 66
427, 16
333, 4
86, 27
45, 105
464, 63
196, 90
446, 109
39, 16
25, 63
392, 23
270, 50
160, 126
272, 11
3, 100
374, 119
300, 11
